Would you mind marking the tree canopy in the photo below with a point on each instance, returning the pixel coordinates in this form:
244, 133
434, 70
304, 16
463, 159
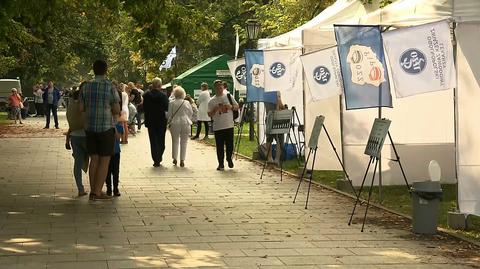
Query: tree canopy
58, 39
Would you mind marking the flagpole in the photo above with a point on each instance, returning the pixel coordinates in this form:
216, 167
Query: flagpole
455, 114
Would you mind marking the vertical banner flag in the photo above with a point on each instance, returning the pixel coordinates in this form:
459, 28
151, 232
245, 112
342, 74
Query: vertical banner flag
421, 58
362, 62
237, 44
255, 75
322, 72
167, 63
239, 74
283, 69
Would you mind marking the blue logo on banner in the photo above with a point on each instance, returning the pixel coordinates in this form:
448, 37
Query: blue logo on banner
322, 75
277, 69
413, 61
241, 74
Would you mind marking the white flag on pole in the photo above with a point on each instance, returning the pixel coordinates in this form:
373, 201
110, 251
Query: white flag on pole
283, 69
323, 74
421, 58
167, 63
237, 44
238, 70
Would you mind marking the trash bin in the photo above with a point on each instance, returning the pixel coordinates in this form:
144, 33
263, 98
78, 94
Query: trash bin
426, 202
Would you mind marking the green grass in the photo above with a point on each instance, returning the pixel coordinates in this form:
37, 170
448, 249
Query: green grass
396, 198
3, 118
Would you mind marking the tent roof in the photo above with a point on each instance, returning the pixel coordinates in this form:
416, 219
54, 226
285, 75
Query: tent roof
341, 10
202, 65
415, 12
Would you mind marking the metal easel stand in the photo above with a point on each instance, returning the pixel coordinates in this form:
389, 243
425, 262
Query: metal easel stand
314, 150
288, 139
376, 160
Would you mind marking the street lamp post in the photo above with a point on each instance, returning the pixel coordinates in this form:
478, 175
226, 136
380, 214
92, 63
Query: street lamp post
253, 29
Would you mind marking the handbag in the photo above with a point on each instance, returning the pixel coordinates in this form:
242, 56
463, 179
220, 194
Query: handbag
235, 112
170, 120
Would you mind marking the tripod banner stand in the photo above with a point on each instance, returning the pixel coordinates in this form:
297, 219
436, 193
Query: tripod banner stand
279, 123
313, 146
378, 134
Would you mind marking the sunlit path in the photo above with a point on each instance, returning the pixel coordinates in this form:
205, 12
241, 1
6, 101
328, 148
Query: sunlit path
192, 217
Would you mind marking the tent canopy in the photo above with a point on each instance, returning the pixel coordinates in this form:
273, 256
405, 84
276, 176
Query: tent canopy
414, 12
341, 10
207, 71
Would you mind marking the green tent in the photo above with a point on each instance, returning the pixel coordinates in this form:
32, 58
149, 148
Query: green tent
207, 71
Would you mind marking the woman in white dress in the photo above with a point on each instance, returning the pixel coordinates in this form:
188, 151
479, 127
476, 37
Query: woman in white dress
202, 116
124, 113
179, 119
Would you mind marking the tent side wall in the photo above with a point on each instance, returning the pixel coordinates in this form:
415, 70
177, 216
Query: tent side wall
468, 62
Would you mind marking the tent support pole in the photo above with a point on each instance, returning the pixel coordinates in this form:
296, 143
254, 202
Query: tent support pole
455, 114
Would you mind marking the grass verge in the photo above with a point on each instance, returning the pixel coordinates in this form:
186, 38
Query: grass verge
3, 118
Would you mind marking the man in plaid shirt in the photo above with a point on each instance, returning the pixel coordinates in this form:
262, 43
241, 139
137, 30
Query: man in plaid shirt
100, 102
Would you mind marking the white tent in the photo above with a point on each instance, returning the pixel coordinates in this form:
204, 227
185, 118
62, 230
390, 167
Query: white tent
466, 14
349, 11
423, 126
342, 10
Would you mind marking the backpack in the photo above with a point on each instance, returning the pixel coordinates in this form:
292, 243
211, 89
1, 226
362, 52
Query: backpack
236, 114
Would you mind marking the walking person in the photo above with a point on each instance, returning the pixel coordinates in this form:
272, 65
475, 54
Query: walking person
279, 138
51, 96
113, 174
76, 138
136, 98
15, 103
220, 109
180, 120
100, 102
124, 113
194, 117
202, 116
38, 99
155, 107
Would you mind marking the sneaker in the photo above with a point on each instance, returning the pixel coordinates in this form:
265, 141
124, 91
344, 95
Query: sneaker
230, 163
220, 168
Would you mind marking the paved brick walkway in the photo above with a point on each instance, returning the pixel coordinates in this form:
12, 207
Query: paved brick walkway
192, 217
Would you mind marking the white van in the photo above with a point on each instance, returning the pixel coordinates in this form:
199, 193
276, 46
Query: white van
6, 86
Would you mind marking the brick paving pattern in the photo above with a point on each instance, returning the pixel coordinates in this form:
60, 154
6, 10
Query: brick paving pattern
193, 217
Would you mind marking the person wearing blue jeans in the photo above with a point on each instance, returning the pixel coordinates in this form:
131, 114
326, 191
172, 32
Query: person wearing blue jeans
51, 96
80, 156
77, 139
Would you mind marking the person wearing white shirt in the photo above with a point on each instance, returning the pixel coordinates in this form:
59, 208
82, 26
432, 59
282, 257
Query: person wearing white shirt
202, 116
124, 113
180, 119
220, 109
